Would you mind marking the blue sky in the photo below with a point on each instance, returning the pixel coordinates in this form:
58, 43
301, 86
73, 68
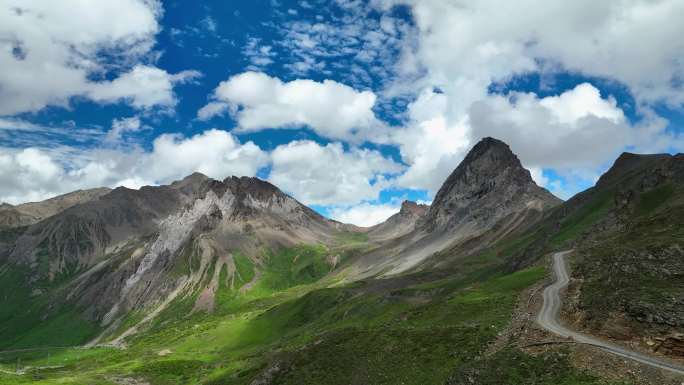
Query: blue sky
350, 106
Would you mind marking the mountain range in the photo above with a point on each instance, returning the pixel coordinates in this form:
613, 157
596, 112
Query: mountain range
236, 282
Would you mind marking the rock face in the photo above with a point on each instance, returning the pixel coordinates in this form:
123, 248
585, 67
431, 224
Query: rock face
11, 217
81, 235
400, 223
134, 249
671, 345
488, 185
488, 196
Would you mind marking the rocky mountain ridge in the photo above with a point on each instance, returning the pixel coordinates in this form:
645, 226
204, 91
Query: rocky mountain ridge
488, 196
400, 223
139, 249
630, 267
236, 271
130, 250
127, 250
29, 213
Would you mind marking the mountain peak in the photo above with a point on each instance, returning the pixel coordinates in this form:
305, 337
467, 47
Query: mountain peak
489, 141
192, 185
197, 176
413, 208
194, 178
629, 158
630, 163
496, 150
488, 159
400, 223
488, 183
257, 188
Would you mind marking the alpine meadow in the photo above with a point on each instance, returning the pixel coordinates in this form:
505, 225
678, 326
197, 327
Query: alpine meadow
342, 192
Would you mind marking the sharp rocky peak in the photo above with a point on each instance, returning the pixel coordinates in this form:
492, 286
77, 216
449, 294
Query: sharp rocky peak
488, 165
495, 147
255, 187
197, 184
194, 178
627, 160
192, 184
492, 156
413, 208
489, 183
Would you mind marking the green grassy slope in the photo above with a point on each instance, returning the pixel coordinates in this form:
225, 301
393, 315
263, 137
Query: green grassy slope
628, 234
418, 329
297, 325
511, 366
28, 320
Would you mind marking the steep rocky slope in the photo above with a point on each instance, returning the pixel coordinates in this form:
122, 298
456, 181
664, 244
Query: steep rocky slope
400, 223
629, 275
488, 196
487, 186
137, 250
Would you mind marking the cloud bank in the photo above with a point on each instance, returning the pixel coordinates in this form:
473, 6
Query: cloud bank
426, 86
259, 101
54, 51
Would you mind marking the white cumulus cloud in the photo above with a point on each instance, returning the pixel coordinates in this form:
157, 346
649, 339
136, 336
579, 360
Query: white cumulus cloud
327, 174
216, 153
578, 131
464, 47
331, 109
365, 214
430, 144
122, 126
142, 87
52, 51
38, 173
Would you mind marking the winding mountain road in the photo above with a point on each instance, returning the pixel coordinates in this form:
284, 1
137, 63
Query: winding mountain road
548, 318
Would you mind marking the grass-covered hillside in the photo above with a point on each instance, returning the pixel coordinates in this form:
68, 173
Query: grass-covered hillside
298, 325
628, 236
290, 316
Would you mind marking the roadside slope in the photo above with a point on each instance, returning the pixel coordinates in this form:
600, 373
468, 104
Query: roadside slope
548, 318
628, 265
